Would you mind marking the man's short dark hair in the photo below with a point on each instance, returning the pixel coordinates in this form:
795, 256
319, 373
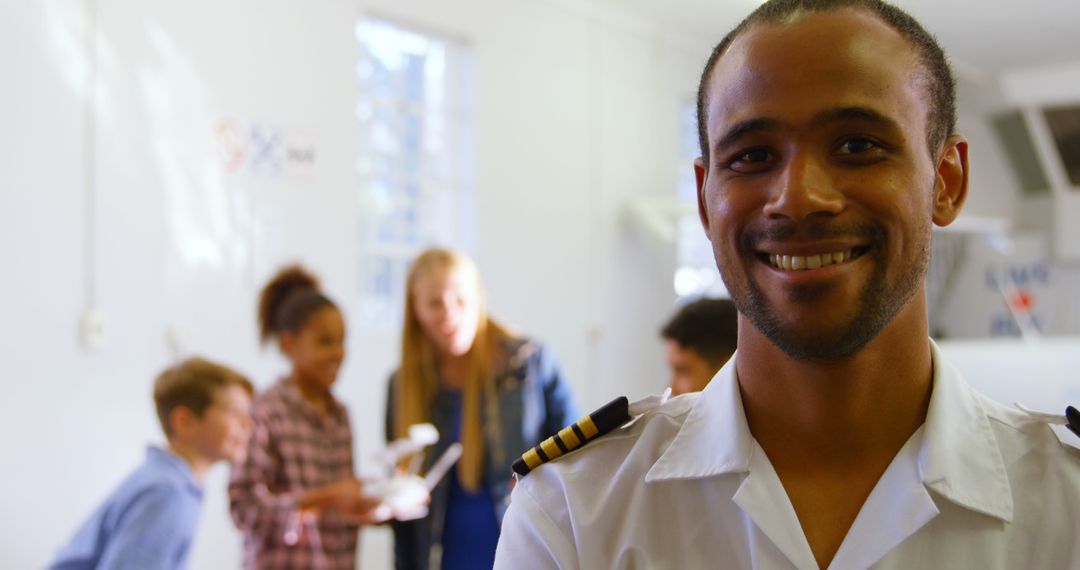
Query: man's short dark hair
938, 80
708, 326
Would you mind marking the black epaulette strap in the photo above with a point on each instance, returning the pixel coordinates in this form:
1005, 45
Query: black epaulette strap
614, 414
1072, 416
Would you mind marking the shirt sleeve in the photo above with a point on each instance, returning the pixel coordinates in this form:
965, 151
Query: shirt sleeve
151, 533
530, 539
255, 509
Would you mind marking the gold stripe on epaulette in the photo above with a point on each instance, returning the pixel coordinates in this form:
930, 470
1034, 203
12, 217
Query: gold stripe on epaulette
569, 438
574, 436
588, 428
532, 459
550, 448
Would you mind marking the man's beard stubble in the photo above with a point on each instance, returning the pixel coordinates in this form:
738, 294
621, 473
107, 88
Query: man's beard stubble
877, 303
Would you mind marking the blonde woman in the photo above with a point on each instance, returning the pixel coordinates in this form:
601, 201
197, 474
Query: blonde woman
496, 392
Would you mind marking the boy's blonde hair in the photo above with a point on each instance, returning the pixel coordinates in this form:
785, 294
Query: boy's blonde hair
192, 384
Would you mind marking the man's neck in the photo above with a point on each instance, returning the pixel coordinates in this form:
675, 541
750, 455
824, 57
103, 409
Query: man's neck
839, 406
830, 429
199, 464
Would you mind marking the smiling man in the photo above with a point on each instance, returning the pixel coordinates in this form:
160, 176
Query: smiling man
837, 436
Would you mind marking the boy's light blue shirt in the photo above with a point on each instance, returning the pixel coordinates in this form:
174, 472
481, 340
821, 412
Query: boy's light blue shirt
147, 523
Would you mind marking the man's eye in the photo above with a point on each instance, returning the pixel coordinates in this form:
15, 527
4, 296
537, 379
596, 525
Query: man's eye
857, 145
750, 160
756, 155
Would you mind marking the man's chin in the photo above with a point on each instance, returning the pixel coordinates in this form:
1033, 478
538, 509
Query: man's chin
821, 344
804, 326
235, 457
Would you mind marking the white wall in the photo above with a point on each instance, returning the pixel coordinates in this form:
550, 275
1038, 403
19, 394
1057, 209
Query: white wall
576, 113
993, 188
1038, 375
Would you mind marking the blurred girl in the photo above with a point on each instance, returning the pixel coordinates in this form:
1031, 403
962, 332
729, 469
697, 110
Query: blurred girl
495, 392
295, 497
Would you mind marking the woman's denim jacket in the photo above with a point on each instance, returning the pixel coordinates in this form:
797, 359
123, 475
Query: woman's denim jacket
534, 403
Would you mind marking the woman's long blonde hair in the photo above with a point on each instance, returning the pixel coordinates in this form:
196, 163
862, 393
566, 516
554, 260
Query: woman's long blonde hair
417, 382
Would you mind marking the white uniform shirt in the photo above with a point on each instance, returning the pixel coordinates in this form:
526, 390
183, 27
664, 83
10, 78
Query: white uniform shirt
686, 486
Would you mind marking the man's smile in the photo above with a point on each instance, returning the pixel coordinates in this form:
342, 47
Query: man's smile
792, 262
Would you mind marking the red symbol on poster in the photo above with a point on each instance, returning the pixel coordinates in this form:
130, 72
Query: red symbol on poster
1021, 301
230, 141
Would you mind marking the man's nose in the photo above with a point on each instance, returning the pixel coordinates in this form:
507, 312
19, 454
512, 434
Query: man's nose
804, 189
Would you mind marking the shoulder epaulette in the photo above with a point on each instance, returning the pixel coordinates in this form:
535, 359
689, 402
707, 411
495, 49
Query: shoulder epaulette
1071, 419
604, 420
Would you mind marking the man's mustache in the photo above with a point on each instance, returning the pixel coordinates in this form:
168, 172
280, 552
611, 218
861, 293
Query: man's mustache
787, 230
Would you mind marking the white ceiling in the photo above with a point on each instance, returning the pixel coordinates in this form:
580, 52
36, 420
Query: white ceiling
983, 37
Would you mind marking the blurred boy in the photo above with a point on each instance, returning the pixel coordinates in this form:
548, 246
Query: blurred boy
149, 521
699, 340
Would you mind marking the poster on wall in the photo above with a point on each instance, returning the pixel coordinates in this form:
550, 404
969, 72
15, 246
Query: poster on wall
262, 149
1010, 288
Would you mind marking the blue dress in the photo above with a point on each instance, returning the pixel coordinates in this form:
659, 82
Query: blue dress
534, 402
471, 529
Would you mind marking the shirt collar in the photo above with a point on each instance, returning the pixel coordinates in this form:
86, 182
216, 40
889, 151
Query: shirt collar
714, 439
959, 460
298, 402
172, 463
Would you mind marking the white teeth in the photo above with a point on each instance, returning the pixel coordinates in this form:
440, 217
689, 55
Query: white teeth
801, 262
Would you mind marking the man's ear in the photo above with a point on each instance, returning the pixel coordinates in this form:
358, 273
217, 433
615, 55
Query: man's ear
701, 174
286, 342
180, 420
951, 186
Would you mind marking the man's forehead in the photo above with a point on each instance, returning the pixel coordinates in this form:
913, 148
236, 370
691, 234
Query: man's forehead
813, 55
820, 27
821, 34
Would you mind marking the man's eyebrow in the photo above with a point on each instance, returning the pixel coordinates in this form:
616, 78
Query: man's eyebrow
864, 114
853, 113
743, 127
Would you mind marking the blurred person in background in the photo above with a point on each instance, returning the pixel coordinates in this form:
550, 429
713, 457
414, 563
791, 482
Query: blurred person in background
149, 522
698, 340
295, 497
480, 384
